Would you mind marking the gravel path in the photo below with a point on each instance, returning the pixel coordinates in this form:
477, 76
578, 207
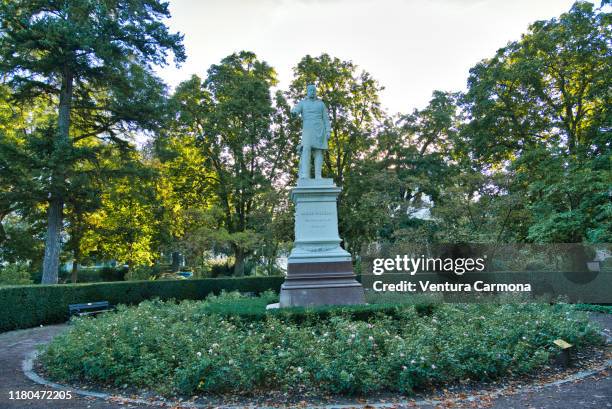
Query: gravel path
591, 392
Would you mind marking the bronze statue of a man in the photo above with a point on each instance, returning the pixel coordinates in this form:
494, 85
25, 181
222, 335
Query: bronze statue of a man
315, 132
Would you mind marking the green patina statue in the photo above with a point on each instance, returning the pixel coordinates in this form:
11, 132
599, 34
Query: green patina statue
315, 132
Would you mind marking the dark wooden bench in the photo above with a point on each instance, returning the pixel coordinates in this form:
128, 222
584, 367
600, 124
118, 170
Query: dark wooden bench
90, 308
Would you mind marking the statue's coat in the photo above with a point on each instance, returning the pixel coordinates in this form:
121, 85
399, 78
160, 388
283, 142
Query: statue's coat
315, 123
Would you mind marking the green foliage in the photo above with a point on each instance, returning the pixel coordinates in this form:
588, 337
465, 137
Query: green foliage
230, 130
188, 348
90, 65
91, 274
28, 306
216, 268
141, 272
112, 273
407, 163
125, 225
538, 114
574, 204
250, 309
15, 274
22, 242
522, 156
605, 309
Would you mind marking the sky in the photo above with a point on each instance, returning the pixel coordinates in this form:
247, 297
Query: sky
411, 47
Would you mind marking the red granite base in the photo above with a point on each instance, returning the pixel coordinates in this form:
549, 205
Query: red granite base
312, 284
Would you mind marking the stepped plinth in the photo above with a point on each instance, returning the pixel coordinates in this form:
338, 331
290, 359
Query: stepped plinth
319, 270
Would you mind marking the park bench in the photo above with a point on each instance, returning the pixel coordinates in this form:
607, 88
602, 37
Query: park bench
90, 308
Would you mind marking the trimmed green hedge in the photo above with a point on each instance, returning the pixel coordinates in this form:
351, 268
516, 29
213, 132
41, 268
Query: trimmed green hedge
27, 306
254, 309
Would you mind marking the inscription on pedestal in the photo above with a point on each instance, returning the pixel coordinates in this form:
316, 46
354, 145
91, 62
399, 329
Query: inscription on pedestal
317, 220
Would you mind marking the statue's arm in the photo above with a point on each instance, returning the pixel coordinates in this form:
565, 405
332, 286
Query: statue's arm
326, 122
297, 109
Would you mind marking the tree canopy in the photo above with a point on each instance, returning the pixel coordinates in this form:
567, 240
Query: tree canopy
90, 61
522, 156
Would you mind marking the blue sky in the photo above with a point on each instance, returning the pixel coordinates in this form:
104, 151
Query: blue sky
411, 47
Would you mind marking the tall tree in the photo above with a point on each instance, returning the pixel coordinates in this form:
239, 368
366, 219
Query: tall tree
92, 59
126, 226
539, 112
549, 88
231, 118
406, 165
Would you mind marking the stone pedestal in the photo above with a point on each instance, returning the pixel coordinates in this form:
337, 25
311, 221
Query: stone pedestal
319, 271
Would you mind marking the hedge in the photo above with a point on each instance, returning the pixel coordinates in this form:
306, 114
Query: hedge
254, 309
27, 306
354, 312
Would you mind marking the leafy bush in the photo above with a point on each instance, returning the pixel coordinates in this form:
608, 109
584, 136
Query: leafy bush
142, 272
87, 274
536, 266
32, 305
112, 273
605, 309
606, 265
15, 274
220, 268
188, 348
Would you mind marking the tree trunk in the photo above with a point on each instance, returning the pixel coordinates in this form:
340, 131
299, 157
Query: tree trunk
2, 231
240, 255
75, 266
52, 244
58, 176
176, 262
272, 260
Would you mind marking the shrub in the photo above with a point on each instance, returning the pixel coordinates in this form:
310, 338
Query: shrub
604, 309
535, 266
88, 274
187, 349
32, 305
15, 274
112, 273
606, 265
142, 272
219, 268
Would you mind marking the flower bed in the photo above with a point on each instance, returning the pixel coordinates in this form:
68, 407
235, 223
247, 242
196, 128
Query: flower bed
191, 348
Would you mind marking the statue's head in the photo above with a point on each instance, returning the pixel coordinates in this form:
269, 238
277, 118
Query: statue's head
311, 91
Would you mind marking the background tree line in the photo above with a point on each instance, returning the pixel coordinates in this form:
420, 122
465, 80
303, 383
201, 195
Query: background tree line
523, 156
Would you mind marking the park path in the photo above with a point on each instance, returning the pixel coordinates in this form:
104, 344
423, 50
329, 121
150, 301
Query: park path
592, 392
14, 347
